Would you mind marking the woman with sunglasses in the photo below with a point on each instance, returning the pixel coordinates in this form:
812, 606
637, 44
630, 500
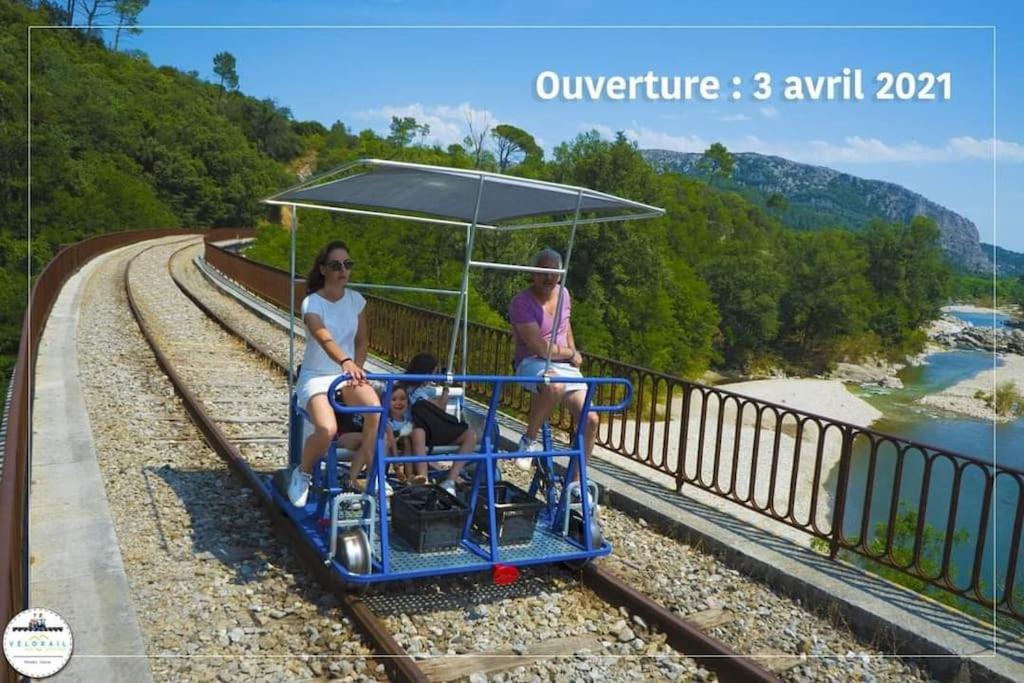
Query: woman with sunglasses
336, 342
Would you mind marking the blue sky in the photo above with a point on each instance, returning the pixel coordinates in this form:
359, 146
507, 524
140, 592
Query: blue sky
942, 149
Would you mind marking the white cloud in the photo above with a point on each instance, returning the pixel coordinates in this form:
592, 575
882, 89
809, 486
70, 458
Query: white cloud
448, 124
769, 112
982, 149
857, 149
730, 118
653, 139
853, 149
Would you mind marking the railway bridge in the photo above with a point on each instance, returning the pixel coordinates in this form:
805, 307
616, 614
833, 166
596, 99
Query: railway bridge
148, 392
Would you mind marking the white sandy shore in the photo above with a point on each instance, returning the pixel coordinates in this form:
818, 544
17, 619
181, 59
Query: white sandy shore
777, 441
959, 398
825, 397
967, 308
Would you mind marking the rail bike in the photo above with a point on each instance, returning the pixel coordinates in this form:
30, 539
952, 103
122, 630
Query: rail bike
393, 531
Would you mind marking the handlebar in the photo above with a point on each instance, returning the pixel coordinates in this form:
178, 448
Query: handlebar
498, 381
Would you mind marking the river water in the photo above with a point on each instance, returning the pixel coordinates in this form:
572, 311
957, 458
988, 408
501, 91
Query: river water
1002, 443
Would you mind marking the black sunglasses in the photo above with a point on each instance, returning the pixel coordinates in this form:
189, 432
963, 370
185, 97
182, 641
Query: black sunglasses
347, 264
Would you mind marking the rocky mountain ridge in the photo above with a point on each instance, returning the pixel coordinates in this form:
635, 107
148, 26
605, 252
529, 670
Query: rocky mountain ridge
819, 197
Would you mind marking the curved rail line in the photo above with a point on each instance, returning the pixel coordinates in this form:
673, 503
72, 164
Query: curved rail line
684, 636
398, 663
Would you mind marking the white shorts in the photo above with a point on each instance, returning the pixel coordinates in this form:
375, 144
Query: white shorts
308, 386
533, 366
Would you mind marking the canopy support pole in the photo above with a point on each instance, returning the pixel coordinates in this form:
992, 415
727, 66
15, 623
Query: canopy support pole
291, 314
561, 285
463, 306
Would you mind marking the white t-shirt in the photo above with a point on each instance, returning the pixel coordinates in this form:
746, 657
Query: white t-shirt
341, 318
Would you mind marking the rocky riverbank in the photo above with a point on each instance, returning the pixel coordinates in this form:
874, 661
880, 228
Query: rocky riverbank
1006, 345
952, 332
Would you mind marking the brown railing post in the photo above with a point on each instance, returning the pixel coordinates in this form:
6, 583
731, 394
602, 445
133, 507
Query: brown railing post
684, 428
839, 503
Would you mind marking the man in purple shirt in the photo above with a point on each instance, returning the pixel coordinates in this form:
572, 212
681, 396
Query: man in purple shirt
532, 314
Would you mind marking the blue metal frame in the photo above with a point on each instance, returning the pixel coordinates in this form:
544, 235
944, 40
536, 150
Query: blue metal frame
390, 561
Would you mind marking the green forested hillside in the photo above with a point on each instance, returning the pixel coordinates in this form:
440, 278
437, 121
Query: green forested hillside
118, 144
1007, 262
716, 281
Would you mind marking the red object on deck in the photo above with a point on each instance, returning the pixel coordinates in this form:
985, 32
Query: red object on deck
504, 574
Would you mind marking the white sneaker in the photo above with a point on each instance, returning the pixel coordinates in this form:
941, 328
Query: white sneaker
298, 487
527, 445
449, 486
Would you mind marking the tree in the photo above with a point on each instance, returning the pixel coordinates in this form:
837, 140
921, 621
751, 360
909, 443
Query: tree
777, 202
224, 66
830, 296
908, 274
128, 17
474, 141
405, 129
514, 146
94, 10
717, 162
746, 282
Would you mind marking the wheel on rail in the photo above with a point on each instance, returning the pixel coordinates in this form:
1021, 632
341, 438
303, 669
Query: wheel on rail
596, 535
354, 555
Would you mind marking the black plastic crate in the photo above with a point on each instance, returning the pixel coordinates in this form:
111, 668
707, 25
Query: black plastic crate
428, 518
515, 514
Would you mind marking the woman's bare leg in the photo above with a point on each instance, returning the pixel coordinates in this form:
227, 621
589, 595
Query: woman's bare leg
363, 395
324, 427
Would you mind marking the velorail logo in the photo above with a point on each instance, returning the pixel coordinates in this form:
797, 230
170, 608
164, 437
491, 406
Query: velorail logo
38, 643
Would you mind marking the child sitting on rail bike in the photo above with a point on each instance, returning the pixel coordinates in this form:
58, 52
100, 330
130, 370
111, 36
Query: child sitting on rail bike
399, 436
432, 425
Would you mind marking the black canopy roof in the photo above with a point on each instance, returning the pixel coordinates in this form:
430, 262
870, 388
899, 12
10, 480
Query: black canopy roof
452, 194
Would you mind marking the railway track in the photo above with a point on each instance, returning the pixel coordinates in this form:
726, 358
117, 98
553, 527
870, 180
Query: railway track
240, 413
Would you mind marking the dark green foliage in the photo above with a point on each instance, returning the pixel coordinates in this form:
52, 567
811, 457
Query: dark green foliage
515, 146
908, 274
776, 202
224, 66
118, 144
929, 562
717, 162
405, 129
978, 290
266, 124
747, 284
830, 296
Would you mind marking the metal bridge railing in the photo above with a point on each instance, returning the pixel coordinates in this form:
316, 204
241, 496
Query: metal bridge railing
921, 510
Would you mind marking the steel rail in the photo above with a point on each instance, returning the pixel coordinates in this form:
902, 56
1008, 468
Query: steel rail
16, 444
399, 664
684, 636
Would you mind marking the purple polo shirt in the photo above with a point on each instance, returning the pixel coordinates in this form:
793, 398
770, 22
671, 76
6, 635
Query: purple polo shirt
525, 309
